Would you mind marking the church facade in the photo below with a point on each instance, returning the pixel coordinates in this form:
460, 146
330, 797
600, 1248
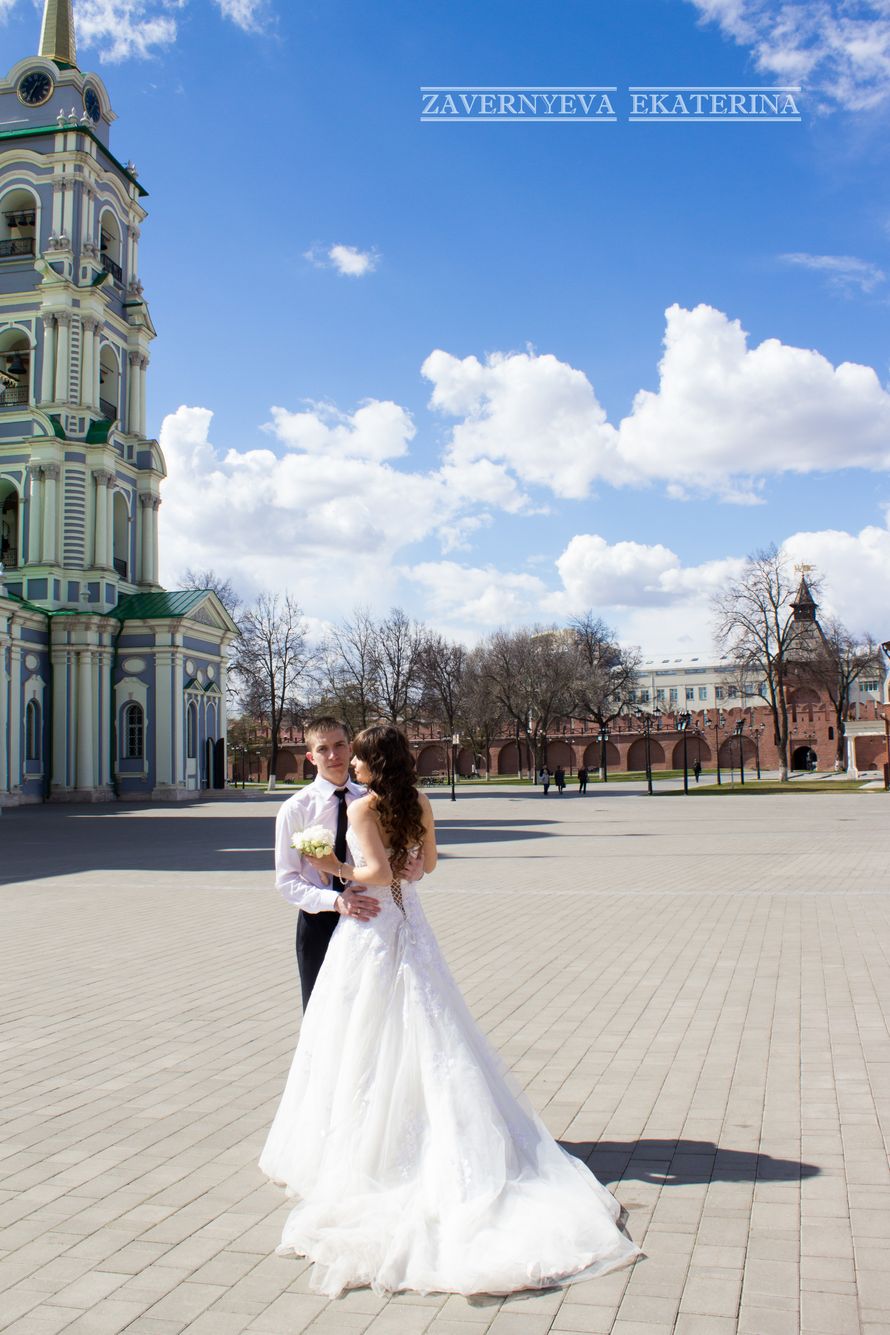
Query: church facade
110, 686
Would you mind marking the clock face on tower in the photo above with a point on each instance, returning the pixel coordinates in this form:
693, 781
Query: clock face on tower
92, 105
35, 88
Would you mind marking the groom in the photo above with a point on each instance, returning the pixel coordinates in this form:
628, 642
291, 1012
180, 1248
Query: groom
322, 902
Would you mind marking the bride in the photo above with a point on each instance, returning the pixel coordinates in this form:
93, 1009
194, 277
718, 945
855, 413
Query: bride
415, 1163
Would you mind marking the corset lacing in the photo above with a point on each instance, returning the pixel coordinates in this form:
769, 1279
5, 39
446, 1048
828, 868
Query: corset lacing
396, 889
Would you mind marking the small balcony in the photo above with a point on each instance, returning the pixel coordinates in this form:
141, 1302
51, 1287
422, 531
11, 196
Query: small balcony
17, 245
9, 558
13, 396
108, 410
120, 566
112, 267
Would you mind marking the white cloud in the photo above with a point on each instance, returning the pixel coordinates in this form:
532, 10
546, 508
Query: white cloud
349, 261
476, 598
121, 29
377, 430
856, 570
725, 415
534, 414
248, 15
844, 272
841, 48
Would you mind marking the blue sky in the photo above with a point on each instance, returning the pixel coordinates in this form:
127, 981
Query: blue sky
526, 269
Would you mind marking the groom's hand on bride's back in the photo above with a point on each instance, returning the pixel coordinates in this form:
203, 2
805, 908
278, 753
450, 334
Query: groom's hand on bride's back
413, 867
355, 902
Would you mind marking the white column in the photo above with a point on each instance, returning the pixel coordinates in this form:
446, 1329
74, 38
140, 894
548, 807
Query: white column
50, 513
58, 189
160, 724
84, 719
132, 391
61, 720
178, 719
64, 322
100, 548
88, 324
15, 719
145, 517
4, 717
97, 349
143, 377
48, 370
34, 515
155, 507
109, 523
103, 776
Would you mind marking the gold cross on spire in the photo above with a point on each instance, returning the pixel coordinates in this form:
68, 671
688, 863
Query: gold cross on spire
57, 33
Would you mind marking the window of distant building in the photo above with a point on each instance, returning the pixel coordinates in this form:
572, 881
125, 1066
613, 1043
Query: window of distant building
659, 695
690, 692
702, 692
675, 695
134, 732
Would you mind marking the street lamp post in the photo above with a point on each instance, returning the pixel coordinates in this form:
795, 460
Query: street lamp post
739, 729
604, 766
645, 719
683, 722
718, 724
455, 743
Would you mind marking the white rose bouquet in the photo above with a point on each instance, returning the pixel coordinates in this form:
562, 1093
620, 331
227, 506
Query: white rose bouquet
315, 840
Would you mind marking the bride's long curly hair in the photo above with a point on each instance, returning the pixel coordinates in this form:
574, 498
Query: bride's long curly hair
384, 749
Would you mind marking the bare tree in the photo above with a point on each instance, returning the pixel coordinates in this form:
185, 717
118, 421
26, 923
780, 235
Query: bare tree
531, 673
755, 619
347, 671
606, 672
273, 659
442, 666
836, 667
481, 714
398, 642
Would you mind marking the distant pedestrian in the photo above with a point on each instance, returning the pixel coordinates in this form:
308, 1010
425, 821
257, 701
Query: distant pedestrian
544, 779
559, 778
696, 769
582, 779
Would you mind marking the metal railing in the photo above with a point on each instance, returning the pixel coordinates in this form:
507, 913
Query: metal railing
10, 397
9, 558
17, 245
108, 410
111, 266
120, 566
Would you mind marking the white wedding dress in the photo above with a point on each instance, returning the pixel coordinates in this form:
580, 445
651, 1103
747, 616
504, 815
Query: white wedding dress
415, 1163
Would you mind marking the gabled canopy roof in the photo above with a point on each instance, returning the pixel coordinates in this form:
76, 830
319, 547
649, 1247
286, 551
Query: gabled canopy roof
173, 604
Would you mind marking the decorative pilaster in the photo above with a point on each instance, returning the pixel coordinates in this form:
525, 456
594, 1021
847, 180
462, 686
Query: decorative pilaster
63, 319
51, 475
142, 376
48, 371
62, 661
35, 508
101, 556
133, 358
87, 375
84, 720
149, 537
15, 731
4, 719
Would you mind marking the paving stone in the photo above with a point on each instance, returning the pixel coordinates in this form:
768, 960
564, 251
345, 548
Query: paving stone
721, 1024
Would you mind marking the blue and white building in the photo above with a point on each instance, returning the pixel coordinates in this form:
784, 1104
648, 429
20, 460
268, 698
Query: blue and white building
109, 685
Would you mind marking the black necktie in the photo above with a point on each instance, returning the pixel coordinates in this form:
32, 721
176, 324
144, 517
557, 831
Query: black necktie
340, 836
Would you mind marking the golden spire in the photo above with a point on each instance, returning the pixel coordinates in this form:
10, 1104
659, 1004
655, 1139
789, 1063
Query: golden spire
57, 33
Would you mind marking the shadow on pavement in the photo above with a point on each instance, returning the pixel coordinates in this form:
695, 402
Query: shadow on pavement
674, 1163
231, 836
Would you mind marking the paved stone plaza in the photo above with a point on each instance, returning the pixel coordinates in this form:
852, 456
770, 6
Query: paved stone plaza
693, 992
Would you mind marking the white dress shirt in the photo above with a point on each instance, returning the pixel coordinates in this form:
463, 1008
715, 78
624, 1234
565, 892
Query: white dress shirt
298, 880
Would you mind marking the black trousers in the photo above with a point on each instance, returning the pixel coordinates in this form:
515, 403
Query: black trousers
314, 931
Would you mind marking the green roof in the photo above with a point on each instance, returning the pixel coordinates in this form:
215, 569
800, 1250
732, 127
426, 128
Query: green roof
149, 606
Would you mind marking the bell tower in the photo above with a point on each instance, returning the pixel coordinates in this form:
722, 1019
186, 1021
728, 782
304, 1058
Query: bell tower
79, 478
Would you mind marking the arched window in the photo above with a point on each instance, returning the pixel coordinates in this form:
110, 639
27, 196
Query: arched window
134, 732
121, 535
15, 368
192, 730
109, 383
111, 245
9, 524
18, 225
32, 730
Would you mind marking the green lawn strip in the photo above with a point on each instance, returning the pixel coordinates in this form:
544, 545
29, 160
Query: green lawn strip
754, 787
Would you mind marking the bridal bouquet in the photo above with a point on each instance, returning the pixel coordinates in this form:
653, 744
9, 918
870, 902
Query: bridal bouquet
315, 840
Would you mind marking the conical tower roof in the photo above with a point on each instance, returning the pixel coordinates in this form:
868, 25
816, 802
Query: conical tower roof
804, 605
57, 33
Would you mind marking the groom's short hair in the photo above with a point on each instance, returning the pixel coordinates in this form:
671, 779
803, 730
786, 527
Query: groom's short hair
323, 723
